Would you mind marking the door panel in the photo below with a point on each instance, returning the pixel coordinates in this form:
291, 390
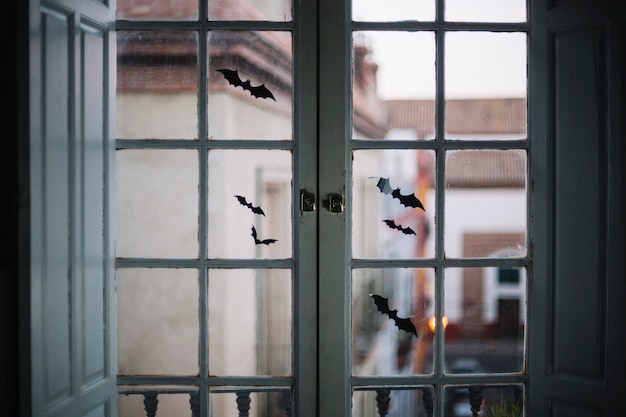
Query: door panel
575, 300
71, 284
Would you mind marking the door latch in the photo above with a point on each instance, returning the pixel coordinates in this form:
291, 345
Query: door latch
336, 203
307, 201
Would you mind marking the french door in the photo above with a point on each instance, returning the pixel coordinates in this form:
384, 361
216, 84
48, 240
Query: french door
280, 238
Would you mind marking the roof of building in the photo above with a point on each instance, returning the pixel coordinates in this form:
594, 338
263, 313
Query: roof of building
486, 116
486, 169
494, 118
186, 10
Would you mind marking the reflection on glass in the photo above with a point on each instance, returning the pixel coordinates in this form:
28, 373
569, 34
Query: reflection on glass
486, 312
263, 179
485, 199
156, 10
488, 401
486, 10
384, 226
408, 401
379, 347
390, 10
254, 401
157, 203
157, 85
157, 321
263, 61
250, 10
251, 336
485, 77
393, 85
135, 400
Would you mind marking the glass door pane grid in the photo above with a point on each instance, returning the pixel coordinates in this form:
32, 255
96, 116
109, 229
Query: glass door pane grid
440, 145
203, 144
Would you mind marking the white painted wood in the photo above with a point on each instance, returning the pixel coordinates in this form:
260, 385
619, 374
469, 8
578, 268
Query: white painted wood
72, 338
305, 223
334, 172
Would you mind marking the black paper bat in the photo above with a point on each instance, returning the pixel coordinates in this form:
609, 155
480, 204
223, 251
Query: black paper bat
405, 230
257, 241
258, 91
244, 202
407, 200
383, 306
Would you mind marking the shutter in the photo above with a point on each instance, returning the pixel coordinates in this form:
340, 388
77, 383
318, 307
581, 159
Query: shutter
576, 347
72, 310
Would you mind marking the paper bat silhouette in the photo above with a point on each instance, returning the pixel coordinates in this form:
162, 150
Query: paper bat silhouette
244, 202
257, 241
407, 200
393, 225
383, 306
258, 91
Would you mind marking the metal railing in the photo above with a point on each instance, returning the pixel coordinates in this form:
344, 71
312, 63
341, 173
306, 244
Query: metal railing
420, 405
243, 398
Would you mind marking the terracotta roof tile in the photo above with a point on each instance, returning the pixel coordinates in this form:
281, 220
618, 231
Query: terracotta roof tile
490, 116
186, 10
486, 169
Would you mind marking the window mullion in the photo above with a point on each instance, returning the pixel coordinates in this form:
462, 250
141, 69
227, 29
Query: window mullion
439, 392
334, 132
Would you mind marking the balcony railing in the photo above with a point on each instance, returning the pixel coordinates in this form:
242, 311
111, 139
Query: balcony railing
409, 401
243, 398
418, 405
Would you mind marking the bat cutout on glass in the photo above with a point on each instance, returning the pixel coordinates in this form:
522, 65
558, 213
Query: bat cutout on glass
408, 200
393, 225
244, 202
259, 91
382, 304
258, 241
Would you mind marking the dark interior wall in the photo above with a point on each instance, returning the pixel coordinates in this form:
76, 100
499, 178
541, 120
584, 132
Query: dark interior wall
8, 251
14, 93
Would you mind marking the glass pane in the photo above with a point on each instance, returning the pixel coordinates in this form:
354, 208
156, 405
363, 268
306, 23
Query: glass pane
250, 85
253, 401
157, 203
393, 85
381, 343
486, 317
157, 9
250, 194
167, 401
389, 186
373, 10
250, 314
157, 85
276, 10
486, 203
486, 10
157, 321
489, 401
408, 401
485, 77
